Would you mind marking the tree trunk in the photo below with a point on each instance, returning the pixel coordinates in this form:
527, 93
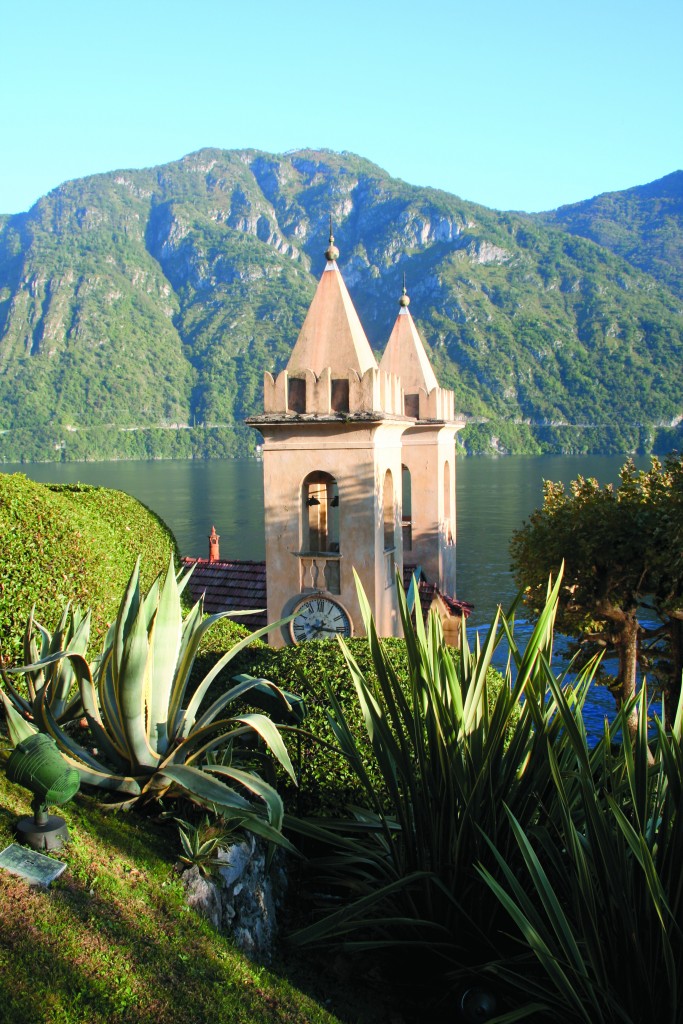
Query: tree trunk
672, 692
627, 648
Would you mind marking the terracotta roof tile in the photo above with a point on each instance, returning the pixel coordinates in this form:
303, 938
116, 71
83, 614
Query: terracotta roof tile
428, 591
240, 586
230, 586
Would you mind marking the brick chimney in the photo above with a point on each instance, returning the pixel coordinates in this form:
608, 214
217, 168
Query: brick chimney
214, 554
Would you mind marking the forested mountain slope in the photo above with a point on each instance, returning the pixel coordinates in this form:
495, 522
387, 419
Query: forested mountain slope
642, 224
139, 309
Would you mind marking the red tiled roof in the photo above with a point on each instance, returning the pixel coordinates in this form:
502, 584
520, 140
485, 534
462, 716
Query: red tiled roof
239, 586
428, 591
230, 586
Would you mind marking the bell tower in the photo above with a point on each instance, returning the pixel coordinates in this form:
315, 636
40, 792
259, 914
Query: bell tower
340, 436
428, 469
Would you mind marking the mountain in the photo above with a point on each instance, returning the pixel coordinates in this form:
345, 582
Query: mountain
139, 308
644, 225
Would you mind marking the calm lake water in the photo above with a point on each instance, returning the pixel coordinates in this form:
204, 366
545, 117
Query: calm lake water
494, 496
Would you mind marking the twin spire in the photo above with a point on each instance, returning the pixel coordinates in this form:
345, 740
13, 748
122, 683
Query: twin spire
333, 336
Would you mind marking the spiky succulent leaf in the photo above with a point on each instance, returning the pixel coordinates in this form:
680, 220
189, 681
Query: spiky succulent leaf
131, 690
165, 644
127, 614
212, 792
19, 728
187, 720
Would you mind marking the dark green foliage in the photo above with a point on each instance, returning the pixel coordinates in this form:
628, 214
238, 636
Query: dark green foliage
437, 760
620, 548
597, 905
580, 848
328, 783
151, 302
70, 543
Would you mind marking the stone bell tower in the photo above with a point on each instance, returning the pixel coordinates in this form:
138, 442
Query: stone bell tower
340, 436
428, 454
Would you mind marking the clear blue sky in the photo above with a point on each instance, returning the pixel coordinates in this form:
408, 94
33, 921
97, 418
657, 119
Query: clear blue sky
516, 106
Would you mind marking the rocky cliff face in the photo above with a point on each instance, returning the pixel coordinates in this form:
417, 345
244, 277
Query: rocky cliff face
155, 299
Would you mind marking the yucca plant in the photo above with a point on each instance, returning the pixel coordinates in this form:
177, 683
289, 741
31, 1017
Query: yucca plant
403, 864
54, 683
152, 736
599, 904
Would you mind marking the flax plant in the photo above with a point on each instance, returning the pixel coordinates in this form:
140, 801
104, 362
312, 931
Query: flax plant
403, 865
599, 904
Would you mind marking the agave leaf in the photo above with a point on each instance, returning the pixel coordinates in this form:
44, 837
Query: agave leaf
34, 681
109, 712
243, 683
183, 578
150, 602
221, 731
210, 791
187, 719
127, 614
19, 728
165, 644
184, 665
51, 659
131, 689
20, 703
104, 779
256, 785
270, 734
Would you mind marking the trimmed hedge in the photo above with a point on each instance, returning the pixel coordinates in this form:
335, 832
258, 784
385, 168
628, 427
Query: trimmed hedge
327, 784
71, 543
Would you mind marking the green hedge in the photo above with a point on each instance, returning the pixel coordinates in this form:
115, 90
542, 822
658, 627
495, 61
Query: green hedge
71, 543
326, 785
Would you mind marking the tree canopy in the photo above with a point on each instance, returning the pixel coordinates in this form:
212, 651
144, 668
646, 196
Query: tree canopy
622, 550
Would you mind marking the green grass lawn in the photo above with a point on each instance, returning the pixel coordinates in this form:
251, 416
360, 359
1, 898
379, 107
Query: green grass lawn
112, 940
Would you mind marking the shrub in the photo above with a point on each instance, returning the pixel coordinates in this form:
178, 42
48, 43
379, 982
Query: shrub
599, 903
450, 754
71, 543
327, 782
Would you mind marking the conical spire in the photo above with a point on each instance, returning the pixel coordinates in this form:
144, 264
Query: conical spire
332, 335
405, 355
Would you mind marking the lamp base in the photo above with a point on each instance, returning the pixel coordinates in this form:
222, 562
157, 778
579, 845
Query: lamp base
49, 835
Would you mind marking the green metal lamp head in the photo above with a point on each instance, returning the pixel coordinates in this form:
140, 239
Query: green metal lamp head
36, 764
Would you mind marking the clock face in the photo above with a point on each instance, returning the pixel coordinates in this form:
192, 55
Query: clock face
319, 618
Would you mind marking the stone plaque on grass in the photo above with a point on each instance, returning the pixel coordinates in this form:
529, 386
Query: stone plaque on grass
35, 867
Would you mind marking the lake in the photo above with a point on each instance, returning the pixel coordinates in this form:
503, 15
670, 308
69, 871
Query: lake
494, 496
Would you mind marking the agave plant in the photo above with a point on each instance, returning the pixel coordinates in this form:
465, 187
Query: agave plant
53, 683
201, 843
146, 720
403, 864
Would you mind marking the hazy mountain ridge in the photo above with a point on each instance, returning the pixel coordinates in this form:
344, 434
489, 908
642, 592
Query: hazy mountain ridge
149, 299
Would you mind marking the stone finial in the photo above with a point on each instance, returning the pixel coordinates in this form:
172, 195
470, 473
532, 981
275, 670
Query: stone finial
214, 554
404, 301
332, 252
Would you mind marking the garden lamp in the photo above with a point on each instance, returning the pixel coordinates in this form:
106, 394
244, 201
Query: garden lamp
36, 764
476, 1005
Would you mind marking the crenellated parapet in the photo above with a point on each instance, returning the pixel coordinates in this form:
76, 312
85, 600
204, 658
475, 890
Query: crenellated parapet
439, 404
305, 393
